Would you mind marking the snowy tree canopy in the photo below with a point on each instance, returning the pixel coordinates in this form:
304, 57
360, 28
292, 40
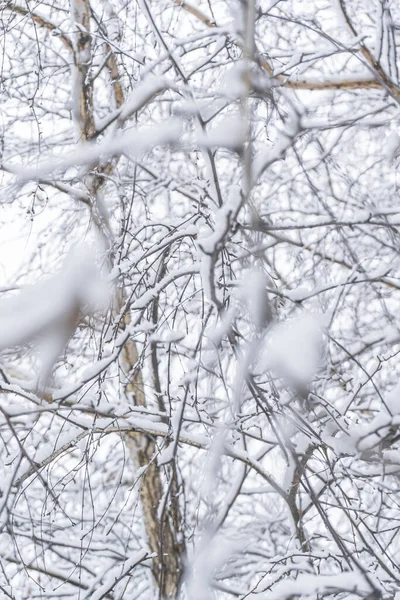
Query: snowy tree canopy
199, 299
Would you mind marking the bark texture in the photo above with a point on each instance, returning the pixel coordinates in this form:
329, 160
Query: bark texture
161, 510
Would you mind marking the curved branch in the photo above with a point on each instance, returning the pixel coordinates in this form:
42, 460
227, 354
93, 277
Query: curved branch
41, 21
382, 80
374, 64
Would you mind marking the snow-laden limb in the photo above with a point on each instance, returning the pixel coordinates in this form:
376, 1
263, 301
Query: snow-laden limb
293, 349
311, 585
115, 575
152, 293
213, 552
49, 312
392, 145
68, 190
168, 453
138, 99
211, 244
111, 354
378, 434
39, 19
48, 454
253, 290
134, 144
230, 133
108, 421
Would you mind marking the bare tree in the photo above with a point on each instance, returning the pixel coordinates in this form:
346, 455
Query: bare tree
199, 316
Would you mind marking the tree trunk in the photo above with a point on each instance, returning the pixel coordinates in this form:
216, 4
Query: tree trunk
162, 519
161, 511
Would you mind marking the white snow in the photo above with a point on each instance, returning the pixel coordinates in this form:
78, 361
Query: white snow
293, 349
49, 311
392, 145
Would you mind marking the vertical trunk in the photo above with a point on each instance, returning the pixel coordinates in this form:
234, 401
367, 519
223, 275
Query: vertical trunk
161, 511
162, 516
83, 85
